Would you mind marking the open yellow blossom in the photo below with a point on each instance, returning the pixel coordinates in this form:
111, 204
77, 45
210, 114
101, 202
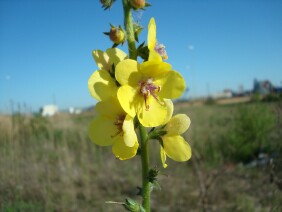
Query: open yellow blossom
173, 144
114, 127
157, 50
102, 83
146, 88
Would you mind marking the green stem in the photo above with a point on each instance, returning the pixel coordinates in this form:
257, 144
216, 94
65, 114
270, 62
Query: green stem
128, 25
145, 168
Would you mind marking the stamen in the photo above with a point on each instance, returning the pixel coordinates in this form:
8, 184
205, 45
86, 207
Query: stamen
119, 122
147, 88
160, 48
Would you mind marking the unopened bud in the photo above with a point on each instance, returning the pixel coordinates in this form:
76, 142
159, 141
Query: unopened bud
116, 34
106, 4
137, 4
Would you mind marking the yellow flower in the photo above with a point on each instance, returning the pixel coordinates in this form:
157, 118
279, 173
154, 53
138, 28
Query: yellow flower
146, 88
174, 145
157, 50
114, 127
102, 83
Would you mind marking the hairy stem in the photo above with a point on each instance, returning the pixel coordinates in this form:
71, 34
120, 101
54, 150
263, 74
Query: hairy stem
145, 168
128, 25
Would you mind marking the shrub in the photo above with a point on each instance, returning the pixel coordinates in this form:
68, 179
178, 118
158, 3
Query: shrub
249, 134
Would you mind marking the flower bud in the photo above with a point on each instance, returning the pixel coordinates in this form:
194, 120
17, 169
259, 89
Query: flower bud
116, 34
137, 4
106, 4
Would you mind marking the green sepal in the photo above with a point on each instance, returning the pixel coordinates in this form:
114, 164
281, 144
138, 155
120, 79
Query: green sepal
136, 37
147, 4
156, 185
161, 141
152, 129
137, 30
156, 134
115, 45
143, 51
112, 73
152, 175
107, 4
136, 122
133, 206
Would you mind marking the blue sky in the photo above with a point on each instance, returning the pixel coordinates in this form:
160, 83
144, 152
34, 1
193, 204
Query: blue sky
45, 46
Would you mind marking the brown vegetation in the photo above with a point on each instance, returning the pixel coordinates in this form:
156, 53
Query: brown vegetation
49, 164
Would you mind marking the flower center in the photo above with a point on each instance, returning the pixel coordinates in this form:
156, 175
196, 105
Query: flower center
119, 122
147, 88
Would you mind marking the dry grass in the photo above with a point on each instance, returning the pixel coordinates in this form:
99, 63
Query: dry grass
50, 165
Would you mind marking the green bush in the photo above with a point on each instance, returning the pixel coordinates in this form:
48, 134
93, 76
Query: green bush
249, 133
272, 97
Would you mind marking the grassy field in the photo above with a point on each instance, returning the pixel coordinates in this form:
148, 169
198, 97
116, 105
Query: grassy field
49, 164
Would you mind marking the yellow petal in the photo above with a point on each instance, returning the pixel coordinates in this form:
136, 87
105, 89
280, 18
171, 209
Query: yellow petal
172, 85
154, 68
129, 134
155, 116
115, 55
102, 59
176, 148
152, 34
110, 108
128, 97
155, 56
163, 157
101, 131
127, 72
177, 125
170, 108
101, 85
123, 152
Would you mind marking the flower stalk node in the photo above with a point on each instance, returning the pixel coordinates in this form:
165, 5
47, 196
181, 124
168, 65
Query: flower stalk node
152, 175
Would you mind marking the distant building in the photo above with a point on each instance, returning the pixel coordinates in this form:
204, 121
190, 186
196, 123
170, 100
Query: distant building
262, 87
73, 110
49, 110
227, 93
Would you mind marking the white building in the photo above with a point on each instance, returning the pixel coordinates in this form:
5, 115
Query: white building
222, 95
49, 110
73, 110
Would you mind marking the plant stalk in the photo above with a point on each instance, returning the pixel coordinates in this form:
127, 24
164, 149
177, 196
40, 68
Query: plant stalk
128, 25
145, 168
